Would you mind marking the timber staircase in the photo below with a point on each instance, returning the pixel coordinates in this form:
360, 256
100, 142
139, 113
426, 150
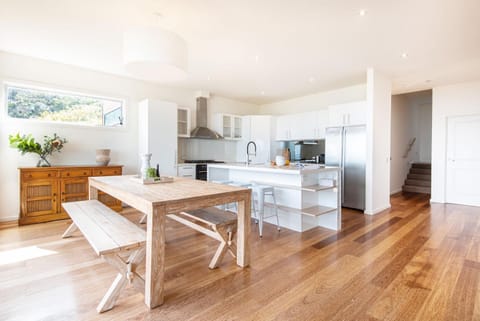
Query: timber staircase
419, 179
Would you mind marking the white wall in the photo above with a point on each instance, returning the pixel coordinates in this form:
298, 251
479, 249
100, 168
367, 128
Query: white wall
82, 141
379, 98
403, 131
316, 101
454, 100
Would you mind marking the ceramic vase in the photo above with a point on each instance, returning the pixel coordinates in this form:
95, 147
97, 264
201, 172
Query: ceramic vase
103, 157
145, 164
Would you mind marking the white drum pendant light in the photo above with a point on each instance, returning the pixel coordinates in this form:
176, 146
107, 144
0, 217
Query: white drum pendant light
155, 54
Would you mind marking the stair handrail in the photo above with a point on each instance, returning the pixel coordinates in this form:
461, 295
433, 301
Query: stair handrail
409, 148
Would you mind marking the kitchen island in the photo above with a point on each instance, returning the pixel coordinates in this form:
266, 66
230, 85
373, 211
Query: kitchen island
307, 195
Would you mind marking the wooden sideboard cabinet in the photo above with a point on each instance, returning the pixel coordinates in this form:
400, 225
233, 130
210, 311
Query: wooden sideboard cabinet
44, 189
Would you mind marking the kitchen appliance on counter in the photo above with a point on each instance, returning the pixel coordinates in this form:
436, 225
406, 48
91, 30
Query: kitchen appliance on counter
346, 147
201, 168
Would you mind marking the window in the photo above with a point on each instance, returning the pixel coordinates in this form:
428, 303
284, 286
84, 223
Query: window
51, 105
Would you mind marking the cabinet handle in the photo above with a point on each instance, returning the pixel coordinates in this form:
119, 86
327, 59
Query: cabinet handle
84, 173
63, 193
30, 176
68, 174
101, 173
49, 174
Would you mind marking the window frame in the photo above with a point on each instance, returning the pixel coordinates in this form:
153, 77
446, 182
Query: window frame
62, 91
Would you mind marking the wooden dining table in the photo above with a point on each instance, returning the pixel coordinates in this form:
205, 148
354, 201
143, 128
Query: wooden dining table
158, 200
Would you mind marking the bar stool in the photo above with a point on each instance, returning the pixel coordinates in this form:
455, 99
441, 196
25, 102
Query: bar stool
244, 185
261, 191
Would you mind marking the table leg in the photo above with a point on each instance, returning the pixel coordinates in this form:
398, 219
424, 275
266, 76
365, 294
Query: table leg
155, 257
93, 193
243, 231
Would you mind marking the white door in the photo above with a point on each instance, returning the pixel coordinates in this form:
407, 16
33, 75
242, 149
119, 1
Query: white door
463, 160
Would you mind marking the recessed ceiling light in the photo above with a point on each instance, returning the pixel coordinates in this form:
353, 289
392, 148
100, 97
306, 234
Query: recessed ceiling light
311, 79
362, 12
404, 55
209, 78
257, 58
262, 93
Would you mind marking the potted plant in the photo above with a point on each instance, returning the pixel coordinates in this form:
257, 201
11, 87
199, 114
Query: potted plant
27, 144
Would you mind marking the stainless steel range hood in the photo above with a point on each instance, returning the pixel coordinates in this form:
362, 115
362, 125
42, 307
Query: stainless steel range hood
202, 131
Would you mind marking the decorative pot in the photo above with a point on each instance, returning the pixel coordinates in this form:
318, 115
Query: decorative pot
145, 164
102, 157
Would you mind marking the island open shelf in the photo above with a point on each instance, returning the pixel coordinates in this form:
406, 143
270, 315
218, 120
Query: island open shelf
307, 196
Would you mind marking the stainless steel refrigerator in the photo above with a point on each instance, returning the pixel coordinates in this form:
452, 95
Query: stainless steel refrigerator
346, 147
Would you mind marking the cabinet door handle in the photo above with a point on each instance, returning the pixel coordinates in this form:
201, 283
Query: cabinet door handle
49, 175
68, 174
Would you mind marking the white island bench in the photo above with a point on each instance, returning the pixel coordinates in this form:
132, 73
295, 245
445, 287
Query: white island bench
307, 196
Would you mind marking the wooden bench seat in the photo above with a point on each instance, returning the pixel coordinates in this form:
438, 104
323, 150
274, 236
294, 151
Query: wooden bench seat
109, 234
215, 223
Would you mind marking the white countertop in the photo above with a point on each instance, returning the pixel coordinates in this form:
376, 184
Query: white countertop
291, 170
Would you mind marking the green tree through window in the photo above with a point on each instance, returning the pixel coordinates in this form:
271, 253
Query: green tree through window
32, 103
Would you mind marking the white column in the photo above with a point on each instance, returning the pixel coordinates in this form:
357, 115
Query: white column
379, 99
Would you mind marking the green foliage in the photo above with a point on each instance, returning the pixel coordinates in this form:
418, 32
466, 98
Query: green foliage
37, 104
86, 114
27, 144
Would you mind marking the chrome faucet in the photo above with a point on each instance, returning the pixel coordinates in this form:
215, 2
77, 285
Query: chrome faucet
254, 151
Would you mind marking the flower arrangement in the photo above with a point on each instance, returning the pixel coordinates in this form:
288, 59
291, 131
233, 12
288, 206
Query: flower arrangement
27, 144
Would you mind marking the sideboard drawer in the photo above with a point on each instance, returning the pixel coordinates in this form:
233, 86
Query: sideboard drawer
105, 171
39, 174
77, 172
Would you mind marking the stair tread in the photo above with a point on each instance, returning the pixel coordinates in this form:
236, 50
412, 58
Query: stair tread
422, 165
416, 189
418, 182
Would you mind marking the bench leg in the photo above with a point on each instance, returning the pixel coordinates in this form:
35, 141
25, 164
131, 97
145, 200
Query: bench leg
112, 294
127, 274
72, 228
226, 236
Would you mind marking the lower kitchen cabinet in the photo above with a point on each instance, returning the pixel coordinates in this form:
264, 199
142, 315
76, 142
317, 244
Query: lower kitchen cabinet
44, 189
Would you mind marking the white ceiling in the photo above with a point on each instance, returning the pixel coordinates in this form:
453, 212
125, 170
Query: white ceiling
279, 48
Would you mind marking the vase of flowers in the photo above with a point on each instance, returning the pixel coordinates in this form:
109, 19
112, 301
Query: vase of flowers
27, 144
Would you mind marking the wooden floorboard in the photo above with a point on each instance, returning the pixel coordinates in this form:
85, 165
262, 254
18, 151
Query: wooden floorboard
415, 261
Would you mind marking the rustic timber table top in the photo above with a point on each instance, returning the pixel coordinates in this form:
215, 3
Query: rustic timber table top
157, 200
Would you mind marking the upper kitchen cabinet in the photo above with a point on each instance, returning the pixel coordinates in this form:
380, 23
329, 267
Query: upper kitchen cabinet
347, 114
158, 132
287, 127
303, 126
229, 126
183, 122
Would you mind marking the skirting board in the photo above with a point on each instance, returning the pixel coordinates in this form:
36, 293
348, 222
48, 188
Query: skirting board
377, 210
8, 224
